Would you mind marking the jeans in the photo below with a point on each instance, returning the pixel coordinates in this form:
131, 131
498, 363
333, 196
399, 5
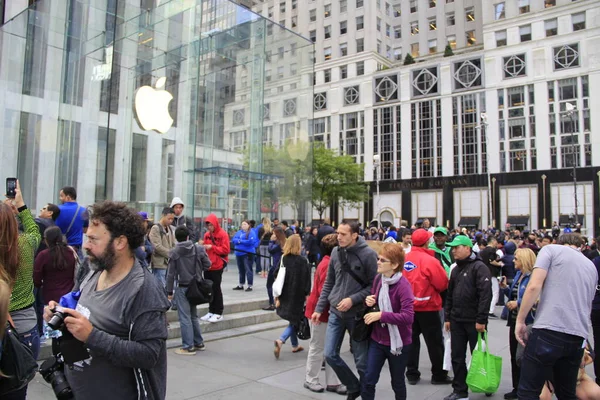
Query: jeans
32, 340
336, 329
188, 319
244, 263
512, 343
428, 324
216, 305
461, 333
161, 275
596, 330
378, 354
39, 309
550, 355
270, 281
290, 332
264, 260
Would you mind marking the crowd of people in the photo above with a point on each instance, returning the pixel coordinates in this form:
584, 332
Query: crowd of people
385, 288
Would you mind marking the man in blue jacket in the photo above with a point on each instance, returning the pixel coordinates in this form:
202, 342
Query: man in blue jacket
72, 219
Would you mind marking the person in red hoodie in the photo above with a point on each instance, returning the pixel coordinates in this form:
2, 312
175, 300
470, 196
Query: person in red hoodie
216, 244
428, 279
317, 331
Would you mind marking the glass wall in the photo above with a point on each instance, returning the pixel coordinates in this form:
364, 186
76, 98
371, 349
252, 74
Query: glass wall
143, 100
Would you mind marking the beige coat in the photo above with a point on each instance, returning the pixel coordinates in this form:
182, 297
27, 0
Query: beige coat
163, 241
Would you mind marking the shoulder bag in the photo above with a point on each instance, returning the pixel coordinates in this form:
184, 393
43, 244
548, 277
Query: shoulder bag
199, 291
361, 330
17, 362
278, 284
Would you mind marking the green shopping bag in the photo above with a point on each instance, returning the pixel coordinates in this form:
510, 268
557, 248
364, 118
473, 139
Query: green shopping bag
486, 369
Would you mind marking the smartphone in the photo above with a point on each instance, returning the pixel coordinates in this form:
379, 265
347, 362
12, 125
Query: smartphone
11, 187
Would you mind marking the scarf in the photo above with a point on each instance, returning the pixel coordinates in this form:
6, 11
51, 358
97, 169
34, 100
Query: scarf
385, 305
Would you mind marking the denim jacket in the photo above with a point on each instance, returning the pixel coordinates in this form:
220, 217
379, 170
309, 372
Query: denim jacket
521, 292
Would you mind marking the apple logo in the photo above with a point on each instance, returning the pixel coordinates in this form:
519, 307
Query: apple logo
152, 107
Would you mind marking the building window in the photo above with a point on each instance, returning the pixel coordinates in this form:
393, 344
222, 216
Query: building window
549, 3
467, 74
397, 32
414, 50
327, 76
387, 141
397, 11
566, 56
360, 68
327, 32
320, 101
525, 33
414, 6
321, 131
471, 39
327, 10
343, 27
386, 88
327, 53
293, 69
388, 30
523, 6
359, 3
425, 81
499, 11
294, 21
414, 27
432, 24
360, 23
168, 171
343, 72
500, 38
470, 144
343, 6
270, 12
514, 66
378, 24
139, 154
469, 14
432, 46
351, 95
289, 107
360, 45
551, 27
238, 117
343, 49
398, 54
450, 20
426, 124
282, 7
578, 21
313, 15
451, 39
352, 135
313, 35
267, 111
432, 3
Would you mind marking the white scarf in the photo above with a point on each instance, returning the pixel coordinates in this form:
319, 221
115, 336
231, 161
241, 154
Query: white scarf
385, 305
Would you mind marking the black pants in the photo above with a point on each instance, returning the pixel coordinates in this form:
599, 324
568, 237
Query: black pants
216, 305
596, 330
461, 334
512, 342
428, 324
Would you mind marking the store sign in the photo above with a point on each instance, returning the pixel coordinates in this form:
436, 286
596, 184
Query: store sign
152, 107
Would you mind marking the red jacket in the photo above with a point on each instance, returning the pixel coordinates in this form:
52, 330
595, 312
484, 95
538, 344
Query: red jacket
427, 278
219, 239
313, 299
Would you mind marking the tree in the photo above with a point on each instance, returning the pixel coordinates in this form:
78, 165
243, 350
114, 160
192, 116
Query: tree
336, 179
409, 59
448, 51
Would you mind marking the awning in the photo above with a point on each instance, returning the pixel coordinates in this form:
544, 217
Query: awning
421, 219
567, 219
469, 222
518, 220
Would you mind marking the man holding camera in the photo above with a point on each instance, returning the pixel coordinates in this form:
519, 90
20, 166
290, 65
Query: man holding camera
120, 316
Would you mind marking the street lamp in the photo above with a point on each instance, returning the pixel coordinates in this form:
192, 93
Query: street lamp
377, 172
571, 110
483, 125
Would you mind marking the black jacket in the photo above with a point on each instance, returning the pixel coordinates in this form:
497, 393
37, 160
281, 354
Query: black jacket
183, 266
296, 287
324, 231
469, 292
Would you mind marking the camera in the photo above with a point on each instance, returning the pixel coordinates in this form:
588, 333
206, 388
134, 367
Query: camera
53, 372
57, 321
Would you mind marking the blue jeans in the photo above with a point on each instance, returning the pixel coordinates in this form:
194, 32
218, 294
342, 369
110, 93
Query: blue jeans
161, 275
244, 263
378, 353
270, 281
336, 330
188, 320
550, 355
290, 332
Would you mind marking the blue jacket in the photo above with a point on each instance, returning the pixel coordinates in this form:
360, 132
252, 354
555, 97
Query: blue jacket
244, 242
509, 260
520, 294
276, 252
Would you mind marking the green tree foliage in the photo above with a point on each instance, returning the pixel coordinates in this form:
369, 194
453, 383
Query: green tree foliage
448, 51
336, 179
409, 59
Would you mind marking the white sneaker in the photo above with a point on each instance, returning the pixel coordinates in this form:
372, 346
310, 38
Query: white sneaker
207, 317
215, 318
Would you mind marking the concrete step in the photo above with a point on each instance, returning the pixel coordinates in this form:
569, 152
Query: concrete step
232, 308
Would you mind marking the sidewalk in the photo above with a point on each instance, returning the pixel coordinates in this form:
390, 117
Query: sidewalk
244, 368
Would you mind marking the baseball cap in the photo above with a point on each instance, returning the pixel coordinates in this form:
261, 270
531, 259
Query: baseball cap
144, 215
420, 237
460, 240
440, 229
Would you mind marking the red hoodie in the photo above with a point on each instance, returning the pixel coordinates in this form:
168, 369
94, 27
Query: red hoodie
219, 239
427, 278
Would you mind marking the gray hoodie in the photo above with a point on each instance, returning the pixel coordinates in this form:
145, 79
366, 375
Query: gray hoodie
183, 265
339, 284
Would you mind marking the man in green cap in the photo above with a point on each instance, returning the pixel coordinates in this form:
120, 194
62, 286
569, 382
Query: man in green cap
466, 311
442, 252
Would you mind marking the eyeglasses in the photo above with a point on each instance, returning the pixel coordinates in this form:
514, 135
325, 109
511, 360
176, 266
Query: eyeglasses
382, 260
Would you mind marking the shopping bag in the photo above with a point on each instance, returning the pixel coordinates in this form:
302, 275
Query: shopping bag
447, 353
278, 284
485, 371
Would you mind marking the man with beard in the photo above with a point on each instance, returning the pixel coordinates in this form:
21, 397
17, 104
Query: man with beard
120, 315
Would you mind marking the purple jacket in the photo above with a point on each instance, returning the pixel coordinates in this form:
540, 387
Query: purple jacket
402, 299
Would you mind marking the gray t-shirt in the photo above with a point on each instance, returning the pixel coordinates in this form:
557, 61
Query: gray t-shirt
96, 377
568, 291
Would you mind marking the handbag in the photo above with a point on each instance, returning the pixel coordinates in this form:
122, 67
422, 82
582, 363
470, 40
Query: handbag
199, 291
17, 362
485, 371
303, 331
278, 284
361, 330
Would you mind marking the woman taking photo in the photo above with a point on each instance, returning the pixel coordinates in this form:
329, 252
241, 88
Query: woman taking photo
244, 242
391, 338
296, 286
54, 267
276, 245
524, 261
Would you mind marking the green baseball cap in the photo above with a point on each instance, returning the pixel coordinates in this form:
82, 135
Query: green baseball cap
440, 229
460, 240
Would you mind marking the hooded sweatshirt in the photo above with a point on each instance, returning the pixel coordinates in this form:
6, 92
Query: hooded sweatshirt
339, 284
244, 242
219, 240
183, 220
184, 267
508, 269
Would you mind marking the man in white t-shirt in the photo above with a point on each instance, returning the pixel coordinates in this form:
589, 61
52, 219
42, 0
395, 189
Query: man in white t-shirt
567, 282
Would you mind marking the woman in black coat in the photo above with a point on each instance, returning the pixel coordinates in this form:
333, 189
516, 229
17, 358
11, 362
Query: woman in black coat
296, 287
